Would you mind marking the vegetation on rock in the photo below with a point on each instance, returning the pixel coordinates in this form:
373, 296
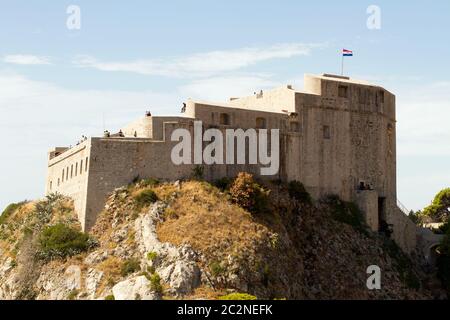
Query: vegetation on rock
60, 241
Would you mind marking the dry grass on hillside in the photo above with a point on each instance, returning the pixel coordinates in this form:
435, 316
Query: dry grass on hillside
203, 217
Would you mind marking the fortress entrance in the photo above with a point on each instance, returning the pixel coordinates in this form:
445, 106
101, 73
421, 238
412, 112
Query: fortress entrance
382, 220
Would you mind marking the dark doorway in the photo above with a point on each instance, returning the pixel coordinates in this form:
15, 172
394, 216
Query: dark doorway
382, 221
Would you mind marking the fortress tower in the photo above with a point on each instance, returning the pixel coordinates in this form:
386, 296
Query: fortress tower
338, 136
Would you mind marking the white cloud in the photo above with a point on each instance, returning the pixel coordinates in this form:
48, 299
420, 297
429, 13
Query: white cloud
26, 59
201, 64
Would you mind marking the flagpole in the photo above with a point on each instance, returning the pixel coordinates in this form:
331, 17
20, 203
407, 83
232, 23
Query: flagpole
342, 66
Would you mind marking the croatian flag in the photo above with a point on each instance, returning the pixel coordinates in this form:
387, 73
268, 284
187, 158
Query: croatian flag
347, 53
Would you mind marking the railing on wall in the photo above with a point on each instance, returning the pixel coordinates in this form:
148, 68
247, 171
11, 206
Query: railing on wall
403, 208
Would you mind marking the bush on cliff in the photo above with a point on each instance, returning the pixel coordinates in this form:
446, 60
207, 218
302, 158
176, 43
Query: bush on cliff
238, 296
346, 212
10, 210
249, 195
146, 197
60, 240
298, 192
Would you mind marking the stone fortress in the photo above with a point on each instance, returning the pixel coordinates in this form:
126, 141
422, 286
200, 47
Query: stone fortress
338, 136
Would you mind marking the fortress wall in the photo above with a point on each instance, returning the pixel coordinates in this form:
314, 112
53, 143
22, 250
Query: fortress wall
274, 100
74, 182
210, 115
116, 162
338, 134
404, 230
158, 125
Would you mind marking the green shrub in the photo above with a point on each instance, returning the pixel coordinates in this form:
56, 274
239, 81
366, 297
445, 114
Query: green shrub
130, 266
110, 297
10, 210
198, 172
73, 294
346, 212
146, 197
223, 183
298, 192
238, 296
249, 195
60, 241
155, 283
151, 256
151, 182
216, 269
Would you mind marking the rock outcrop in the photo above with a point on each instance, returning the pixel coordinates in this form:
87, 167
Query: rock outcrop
191, 241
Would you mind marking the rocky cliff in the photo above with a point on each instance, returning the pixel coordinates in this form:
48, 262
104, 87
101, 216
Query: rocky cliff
192, 240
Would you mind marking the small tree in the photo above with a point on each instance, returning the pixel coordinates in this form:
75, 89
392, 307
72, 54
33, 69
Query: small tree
61, 241
248, 194
439, 210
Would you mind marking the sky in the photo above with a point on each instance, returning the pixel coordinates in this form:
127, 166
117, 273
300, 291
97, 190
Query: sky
69, 68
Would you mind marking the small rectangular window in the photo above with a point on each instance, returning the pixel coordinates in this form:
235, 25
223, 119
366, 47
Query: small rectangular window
343, 91
225, 119
81, 167
63, 175
86, 169
71, 171
76, 169
381, 94
261, 123
326, 132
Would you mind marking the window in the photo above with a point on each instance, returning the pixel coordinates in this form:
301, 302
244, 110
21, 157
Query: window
343, 92
58, 182
326, 132
225, 119
81, 167
71, 171
261, 123
381, 95
63, 175
86, 169
76, 169
362, 96
294, 126
51, 185
67, 173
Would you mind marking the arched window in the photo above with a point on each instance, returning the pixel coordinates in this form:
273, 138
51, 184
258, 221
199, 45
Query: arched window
225, 119
261, 123
51, 185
